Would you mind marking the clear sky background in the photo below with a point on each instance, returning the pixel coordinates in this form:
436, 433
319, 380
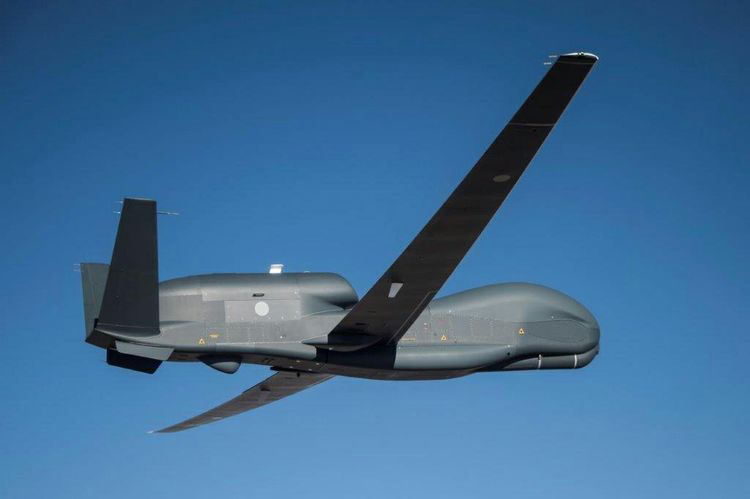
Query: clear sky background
323, 135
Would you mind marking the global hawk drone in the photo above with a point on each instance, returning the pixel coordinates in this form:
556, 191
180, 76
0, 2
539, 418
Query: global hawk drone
310, 327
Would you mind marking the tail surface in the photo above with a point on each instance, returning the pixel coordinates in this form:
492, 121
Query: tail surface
130, 303
121, 300
94, 280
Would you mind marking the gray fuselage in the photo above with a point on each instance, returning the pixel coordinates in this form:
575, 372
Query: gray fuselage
271, 319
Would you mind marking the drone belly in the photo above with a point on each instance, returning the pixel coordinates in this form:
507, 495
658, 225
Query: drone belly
449, 357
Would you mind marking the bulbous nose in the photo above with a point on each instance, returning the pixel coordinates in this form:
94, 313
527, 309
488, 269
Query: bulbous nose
584, 353
562, 327
582, 320
592, 332
585, 358
582, 359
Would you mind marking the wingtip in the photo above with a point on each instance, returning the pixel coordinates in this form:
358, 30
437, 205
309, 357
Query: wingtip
581, 55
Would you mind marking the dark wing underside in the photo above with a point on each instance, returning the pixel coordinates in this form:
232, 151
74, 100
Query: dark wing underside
278, 386
406, 288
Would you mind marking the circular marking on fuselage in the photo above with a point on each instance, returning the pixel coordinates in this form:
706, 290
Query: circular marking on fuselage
500, 178
261, 308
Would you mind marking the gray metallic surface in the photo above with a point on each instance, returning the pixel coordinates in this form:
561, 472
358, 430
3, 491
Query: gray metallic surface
311, 326
149, 352
228, 364
280, 385
94, 280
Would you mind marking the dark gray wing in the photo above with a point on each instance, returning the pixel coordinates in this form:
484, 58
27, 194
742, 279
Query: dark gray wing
278, 386
406, 288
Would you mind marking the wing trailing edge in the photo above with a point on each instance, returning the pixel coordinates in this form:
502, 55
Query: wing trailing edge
280, 385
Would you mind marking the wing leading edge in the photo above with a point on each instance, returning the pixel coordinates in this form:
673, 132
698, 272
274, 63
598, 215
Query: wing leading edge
278, 386
407, 287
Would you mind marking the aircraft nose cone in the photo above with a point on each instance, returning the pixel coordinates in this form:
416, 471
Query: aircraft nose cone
591, 346
593, 338
581, 327
584, 345
592, 332
585, 358
589, 331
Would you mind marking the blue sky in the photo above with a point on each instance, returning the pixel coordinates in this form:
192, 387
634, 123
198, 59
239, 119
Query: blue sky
286, 132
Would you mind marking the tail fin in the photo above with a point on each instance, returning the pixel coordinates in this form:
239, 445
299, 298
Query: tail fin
130, 303
94, 279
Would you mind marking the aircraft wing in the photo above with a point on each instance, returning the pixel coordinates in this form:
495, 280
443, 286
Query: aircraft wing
278, 386
395, 301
